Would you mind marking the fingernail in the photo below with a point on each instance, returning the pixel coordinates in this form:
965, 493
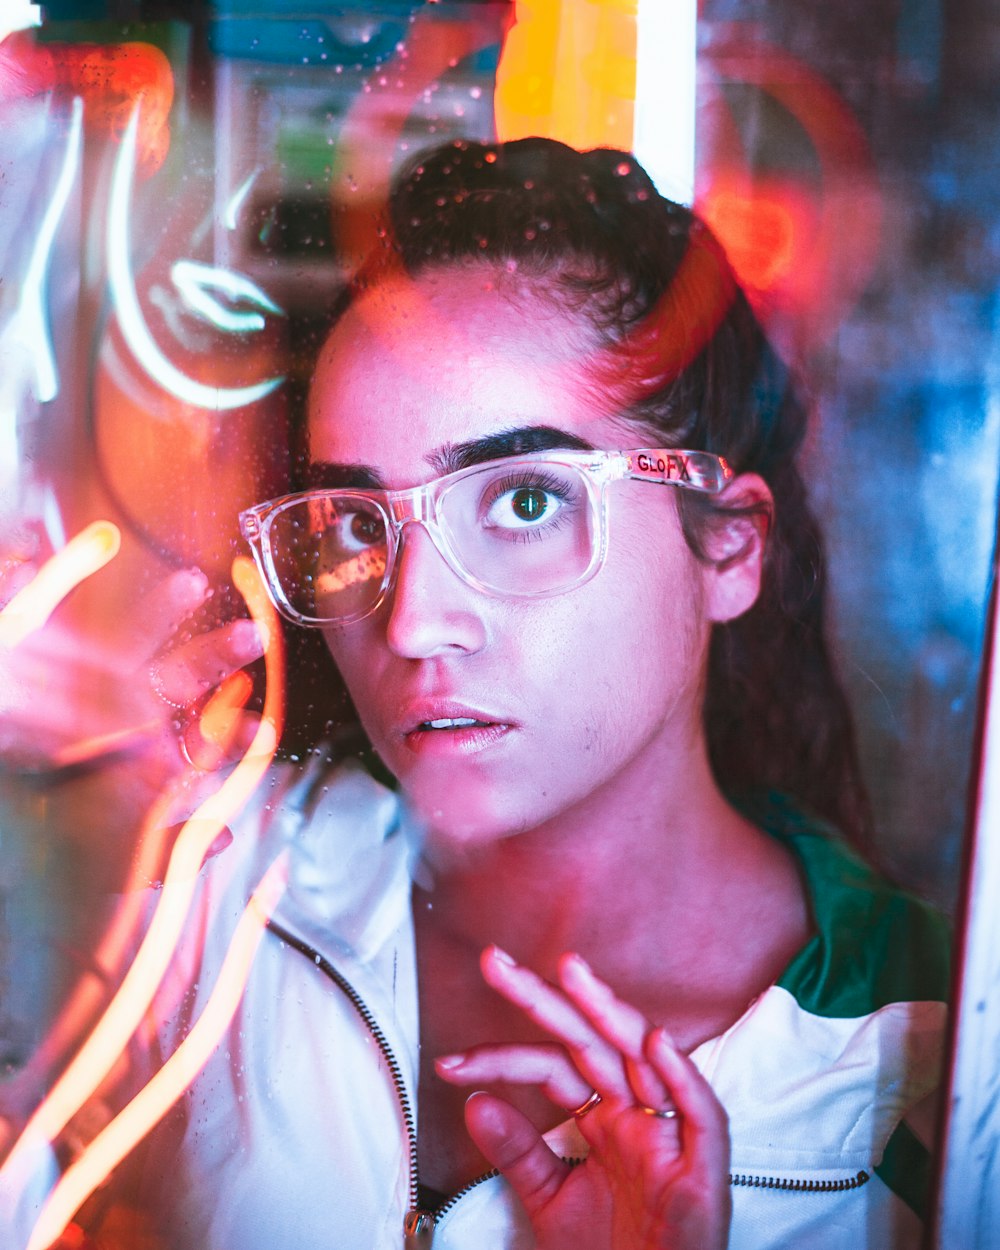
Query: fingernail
192, 583
577, 961
446, 1063
246, 637
663, 1041
502, 957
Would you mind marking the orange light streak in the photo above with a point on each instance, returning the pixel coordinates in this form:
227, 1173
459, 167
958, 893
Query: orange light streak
116, 942
156, 1098
83, 555
99, 745
364, 567
124, 1013
220, 717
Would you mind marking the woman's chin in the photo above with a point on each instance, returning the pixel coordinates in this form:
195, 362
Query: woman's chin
461, 819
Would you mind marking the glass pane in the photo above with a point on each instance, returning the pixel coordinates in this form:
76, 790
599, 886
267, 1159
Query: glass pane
186, 192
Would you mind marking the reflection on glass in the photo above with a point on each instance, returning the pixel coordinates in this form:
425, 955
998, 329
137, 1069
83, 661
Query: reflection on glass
231, 935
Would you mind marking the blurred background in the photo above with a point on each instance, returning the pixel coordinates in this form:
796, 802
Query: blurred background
185, 187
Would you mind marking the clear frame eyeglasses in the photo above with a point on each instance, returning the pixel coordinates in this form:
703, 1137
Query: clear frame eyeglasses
522, 527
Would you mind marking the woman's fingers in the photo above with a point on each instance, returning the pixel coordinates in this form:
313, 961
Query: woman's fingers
599, 1061
188, 672
546, 1065
603, 1034
704, 1124
158, 615
623, 1025
512, 1144
618, 1022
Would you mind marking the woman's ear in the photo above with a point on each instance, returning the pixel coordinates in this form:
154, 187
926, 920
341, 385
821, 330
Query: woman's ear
734, 543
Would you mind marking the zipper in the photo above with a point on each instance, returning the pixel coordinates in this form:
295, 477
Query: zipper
418, 1223
838, 1186
450, 1203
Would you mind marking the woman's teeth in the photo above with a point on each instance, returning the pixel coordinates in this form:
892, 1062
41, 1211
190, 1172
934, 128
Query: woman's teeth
451, 722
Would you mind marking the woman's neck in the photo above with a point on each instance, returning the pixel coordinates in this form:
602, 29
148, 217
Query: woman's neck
656, 843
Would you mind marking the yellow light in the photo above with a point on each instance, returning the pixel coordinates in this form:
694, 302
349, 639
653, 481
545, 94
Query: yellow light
568, 72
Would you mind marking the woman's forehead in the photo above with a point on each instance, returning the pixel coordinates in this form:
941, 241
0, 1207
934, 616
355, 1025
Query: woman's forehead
445, 358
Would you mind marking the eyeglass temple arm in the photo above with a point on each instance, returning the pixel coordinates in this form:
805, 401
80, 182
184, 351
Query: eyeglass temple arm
699, 470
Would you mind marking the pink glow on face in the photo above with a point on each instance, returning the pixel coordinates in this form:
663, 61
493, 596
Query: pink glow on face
545, 702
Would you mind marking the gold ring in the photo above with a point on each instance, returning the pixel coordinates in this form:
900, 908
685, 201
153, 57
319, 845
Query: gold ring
586, 1107
662, 1113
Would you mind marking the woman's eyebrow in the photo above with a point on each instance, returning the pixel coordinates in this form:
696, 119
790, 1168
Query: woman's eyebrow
514, 442
452, 456
328, 475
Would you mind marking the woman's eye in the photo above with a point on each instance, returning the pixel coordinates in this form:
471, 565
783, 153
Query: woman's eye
357, 531
523, 506
366, 529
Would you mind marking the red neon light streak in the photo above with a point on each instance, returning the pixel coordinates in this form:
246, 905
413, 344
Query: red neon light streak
110, 78
153, 1101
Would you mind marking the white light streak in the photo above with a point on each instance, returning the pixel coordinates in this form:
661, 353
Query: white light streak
231, 215
19, 15
664, 127
195, 282
126, 302
26, 337
27, 359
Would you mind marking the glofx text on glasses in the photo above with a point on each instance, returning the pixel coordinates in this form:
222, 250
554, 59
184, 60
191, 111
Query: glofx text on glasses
521, 527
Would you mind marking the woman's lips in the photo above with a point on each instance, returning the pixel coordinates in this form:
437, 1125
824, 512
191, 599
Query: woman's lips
442, 731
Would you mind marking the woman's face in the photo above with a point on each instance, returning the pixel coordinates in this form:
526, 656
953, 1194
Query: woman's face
577, 698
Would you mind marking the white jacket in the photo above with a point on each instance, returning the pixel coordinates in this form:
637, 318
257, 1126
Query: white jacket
299, 1134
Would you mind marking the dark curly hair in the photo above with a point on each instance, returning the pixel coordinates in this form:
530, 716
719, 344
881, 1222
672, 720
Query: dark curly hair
683, 355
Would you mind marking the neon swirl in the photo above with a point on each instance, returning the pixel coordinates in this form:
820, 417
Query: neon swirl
126, 301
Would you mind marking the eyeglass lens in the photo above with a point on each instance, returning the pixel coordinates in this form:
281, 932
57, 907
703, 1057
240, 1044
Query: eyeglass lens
519, 529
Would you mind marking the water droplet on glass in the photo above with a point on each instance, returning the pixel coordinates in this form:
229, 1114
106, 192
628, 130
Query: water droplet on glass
476, 92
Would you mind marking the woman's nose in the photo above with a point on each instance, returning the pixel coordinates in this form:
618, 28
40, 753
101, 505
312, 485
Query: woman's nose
432, 610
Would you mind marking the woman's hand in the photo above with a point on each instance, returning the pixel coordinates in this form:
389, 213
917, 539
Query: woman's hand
651, 1180
70, 696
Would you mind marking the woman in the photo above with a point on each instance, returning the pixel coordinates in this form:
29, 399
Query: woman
555, 539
